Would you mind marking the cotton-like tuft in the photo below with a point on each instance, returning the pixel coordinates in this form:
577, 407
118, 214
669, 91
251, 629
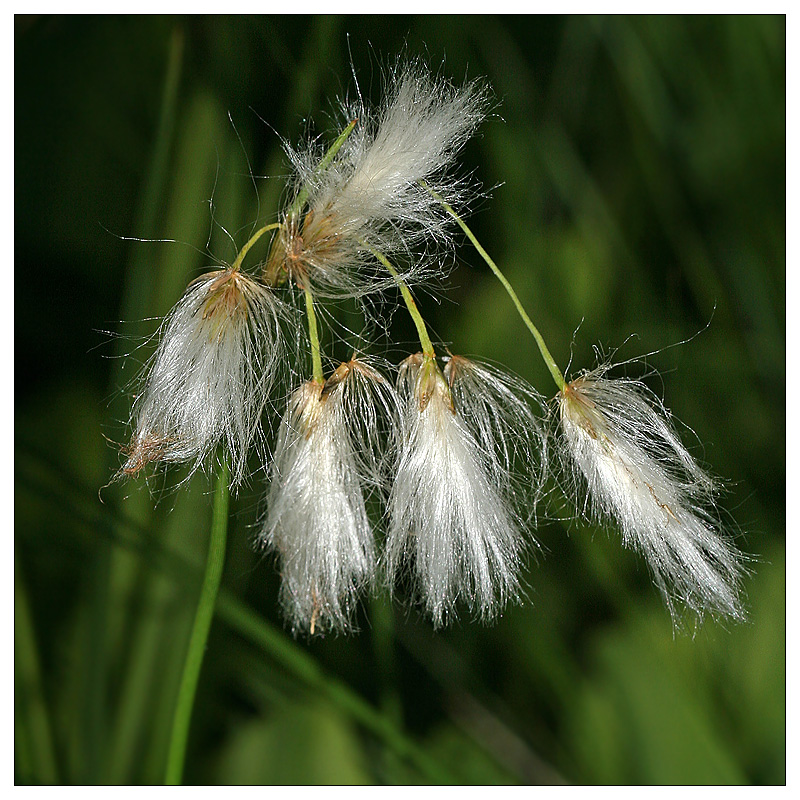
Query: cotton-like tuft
210, 377
640, 476
316, 517
370, 197
451, 524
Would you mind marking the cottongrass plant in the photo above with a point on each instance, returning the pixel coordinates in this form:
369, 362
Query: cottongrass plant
618, 443
449, 451
211, 375
458, 521
452, 522
317, 518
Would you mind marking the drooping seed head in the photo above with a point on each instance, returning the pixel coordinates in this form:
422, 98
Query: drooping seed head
618, 443
210, 377
370, 197
316, 517
452, 525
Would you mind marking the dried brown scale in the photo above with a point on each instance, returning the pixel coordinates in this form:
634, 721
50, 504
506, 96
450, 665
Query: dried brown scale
226, 298
314, 614
452, 368
571, 393
427, 376
299, 249
340, 373
142, 452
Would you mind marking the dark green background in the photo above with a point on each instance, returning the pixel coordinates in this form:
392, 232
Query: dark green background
637, 176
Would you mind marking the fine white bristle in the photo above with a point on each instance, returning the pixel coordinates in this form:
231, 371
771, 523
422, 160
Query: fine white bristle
370, 198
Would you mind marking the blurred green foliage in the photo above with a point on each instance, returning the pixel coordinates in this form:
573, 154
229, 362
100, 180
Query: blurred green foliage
637, 177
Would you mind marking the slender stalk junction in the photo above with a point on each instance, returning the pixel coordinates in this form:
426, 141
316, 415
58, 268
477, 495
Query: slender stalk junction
176, 756
313, 336
297, 205
543, 349
422, 331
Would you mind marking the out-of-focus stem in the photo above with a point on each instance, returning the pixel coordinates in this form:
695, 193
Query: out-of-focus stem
176, 756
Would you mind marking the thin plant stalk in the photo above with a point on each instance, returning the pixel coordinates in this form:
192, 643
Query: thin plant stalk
250, 242
411, 305
330, 154
313, 336
212, 578
558, 377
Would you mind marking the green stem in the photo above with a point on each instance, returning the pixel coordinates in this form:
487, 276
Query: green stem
251, 241
302, 195
212, 578
422, 331
36, 760
313, 335
548, 358
141, 294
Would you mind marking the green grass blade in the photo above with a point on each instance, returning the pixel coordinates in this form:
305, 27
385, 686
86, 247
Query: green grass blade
36, 759
215, 564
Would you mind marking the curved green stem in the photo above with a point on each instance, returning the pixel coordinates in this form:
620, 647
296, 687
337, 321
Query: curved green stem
543, 349
176, 756
422, 331
250, 242
302, 195
313, 335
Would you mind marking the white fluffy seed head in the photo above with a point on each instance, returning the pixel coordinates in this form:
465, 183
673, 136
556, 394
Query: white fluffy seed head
370, 196
316, 517
450, 524
210, 377
617, 439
